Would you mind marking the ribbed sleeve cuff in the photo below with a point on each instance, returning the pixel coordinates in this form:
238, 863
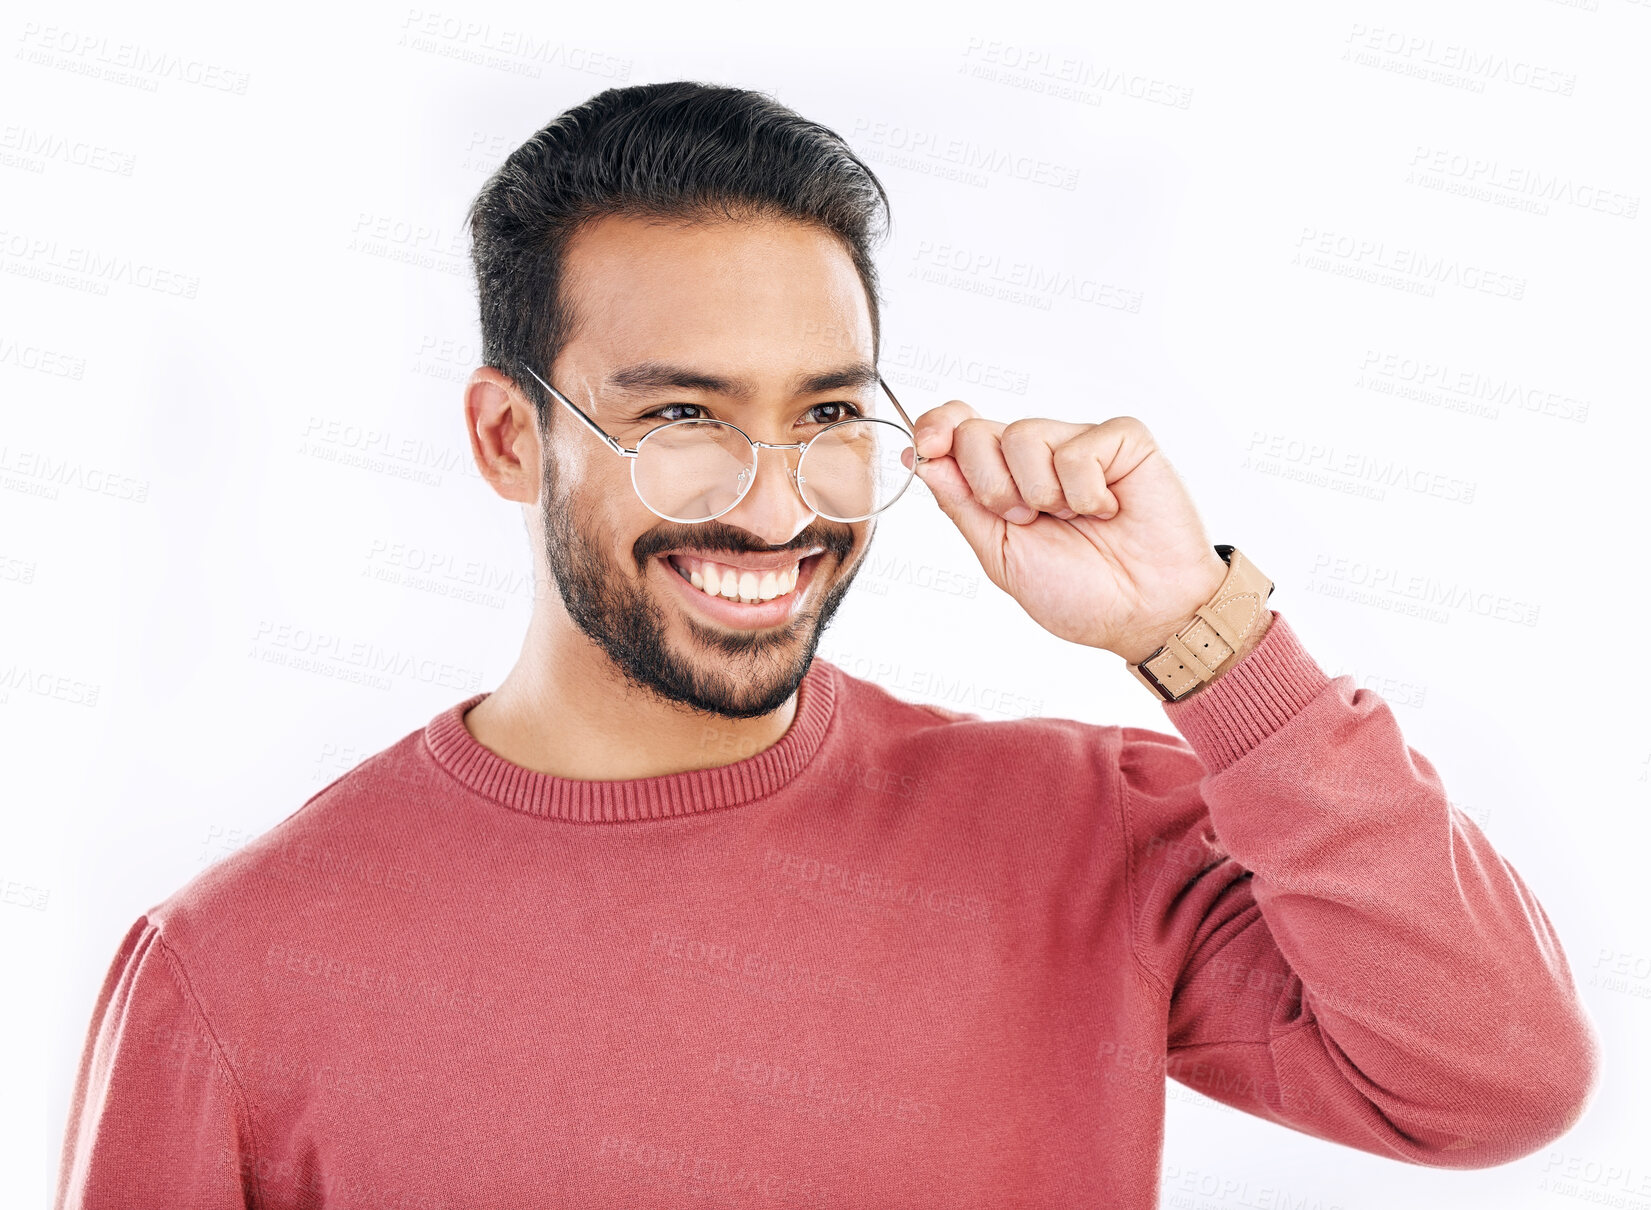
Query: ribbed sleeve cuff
1252, 699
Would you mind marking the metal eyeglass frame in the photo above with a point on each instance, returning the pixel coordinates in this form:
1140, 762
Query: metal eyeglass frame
614, 445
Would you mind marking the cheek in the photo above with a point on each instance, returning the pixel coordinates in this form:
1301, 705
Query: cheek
863, 531
594, 483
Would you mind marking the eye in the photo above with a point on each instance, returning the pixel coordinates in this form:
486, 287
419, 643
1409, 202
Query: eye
848, 411
660, 412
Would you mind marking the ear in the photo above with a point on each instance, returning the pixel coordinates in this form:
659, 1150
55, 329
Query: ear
504, 434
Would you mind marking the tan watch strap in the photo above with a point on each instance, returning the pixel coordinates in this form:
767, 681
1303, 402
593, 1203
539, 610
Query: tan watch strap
1194, 655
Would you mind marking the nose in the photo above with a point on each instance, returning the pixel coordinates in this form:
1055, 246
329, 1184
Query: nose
773, 508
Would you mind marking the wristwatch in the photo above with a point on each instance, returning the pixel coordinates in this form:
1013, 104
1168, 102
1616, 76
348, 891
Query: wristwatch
1192, 657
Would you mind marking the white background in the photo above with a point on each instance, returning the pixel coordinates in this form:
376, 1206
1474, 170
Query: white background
1373, 274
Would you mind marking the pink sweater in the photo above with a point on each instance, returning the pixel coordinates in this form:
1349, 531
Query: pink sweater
904, 957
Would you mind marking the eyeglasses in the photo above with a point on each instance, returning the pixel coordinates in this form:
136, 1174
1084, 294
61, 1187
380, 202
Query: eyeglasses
696, 470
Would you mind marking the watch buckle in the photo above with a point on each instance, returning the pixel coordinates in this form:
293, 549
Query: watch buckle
1152, 682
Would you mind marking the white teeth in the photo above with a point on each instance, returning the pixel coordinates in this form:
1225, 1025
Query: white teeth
748, 586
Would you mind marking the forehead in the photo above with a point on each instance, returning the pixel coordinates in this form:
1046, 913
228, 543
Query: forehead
754, 292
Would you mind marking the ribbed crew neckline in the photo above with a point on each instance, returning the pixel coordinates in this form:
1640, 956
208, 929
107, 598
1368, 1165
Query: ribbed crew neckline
673, 794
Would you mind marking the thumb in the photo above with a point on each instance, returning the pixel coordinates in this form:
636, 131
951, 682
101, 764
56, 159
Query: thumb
975, 521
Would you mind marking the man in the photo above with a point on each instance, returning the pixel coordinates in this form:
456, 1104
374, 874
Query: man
681, 912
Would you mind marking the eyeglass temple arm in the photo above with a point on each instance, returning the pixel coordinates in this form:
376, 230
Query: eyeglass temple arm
903, 416
579, 412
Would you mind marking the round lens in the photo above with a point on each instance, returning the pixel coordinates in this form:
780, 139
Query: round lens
853, 469
692, 470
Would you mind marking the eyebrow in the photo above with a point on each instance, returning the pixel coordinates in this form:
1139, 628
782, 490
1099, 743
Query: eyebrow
646, 377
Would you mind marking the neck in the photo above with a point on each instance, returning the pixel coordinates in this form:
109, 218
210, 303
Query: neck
564, 709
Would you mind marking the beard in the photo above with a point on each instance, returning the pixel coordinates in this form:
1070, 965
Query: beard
742, 674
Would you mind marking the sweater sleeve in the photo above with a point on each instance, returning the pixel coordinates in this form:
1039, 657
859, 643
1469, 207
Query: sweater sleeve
1343, 951
155, 1118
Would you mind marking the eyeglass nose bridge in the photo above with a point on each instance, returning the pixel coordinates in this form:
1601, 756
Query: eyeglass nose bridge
746, 478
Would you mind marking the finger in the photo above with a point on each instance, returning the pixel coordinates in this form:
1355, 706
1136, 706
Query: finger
1029, 449
983, 530
979, 456
933, 429
1094, 461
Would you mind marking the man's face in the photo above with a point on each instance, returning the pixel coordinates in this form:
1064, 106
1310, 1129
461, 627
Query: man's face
760, 305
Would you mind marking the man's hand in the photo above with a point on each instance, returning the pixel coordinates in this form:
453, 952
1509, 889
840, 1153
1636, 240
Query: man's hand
1087, 526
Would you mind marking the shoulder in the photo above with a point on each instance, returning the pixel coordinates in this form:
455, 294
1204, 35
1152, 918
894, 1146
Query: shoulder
998, 718
313, 864
1023, 786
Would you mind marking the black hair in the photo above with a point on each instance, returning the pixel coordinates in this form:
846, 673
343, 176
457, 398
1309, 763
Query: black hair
682, 150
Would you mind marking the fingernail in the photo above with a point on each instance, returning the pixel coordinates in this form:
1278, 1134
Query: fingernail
1020, 514
1066, 514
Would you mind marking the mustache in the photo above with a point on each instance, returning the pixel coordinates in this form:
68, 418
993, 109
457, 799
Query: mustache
713, 538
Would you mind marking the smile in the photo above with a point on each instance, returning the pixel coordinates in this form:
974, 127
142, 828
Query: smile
748, 585
764, 591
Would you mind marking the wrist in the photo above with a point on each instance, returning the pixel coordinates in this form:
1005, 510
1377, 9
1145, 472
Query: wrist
1197, 646
1153, 638
1250, 643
